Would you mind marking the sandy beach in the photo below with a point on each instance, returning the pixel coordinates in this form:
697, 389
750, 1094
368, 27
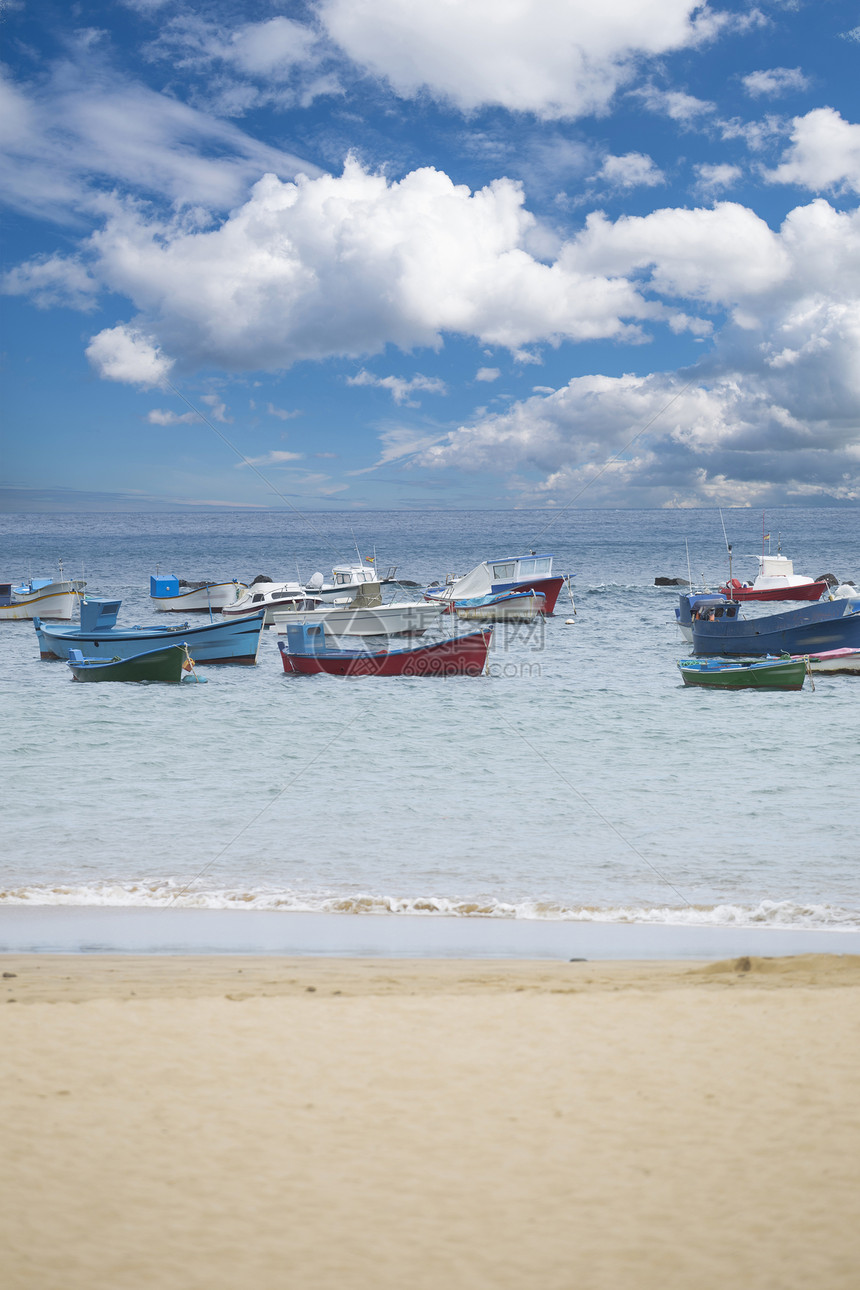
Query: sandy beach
212, 1122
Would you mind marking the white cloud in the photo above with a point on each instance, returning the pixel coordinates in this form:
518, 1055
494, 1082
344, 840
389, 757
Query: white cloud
276, 458
773, 412
775, 81
123, 353
163, 417
281, 413
217, 408
632, 170
556, 58
487, 374
716, 178
349, 264
275, 61
83, 127
53, 280
824, 153
399, 388
675, 104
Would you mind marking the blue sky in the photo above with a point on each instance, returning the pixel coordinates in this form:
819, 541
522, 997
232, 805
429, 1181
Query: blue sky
438, 254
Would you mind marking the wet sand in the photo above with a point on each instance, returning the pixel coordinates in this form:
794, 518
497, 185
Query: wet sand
220, 1122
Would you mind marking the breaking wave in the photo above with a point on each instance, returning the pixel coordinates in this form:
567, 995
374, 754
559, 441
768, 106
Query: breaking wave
170, 893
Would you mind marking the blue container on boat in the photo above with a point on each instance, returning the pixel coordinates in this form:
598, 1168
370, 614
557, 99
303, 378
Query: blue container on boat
98, 615
306, 638
163, 586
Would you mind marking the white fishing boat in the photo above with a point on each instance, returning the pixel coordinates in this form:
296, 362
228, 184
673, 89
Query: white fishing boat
172, 595
346, 579
493, 578
365, 615
40, 597
270, 597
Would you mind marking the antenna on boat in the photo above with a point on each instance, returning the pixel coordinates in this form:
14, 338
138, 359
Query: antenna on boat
728, 543
689, 570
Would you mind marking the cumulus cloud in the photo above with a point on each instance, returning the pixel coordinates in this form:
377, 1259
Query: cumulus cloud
487, 374
399, 388
345, 265
555, 58
776, 81
632, 170
824, 153
771, 413
124, 353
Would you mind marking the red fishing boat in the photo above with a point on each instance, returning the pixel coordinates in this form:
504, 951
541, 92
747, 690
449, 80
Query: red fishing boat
307, 651
776, 580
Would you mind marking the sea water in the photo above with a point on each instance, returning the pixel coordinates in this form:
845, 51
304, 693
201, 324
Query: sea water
579, 780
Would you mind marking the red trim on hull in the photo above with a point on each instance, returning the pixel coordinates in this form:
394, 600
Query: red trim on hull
551, 587
464, 656
806, 591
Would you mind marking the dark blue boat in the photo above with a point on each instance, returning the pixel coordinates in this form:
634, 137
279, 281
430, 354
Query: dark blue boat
98, 637
701, 603
829, 624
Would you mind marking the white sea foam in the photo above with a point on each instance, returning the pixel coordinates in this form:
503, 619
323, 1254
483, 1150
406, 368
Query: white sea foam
168, 893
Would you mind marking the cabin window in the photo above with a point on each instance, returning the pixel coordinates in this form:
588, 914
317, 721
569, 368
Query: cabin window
342, 579
526, 568
543, 567
505, 571
254, 599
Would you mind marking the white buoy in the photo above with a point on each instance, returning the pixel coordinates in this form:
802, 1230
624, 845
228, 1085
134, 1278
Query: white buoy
569, 622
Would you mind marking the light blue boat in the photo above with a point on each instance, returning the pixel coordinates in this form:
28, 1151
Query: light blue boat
98, 637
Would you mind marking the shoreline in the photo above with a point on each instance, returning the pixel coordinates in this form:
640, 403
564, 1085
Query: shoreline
63, 929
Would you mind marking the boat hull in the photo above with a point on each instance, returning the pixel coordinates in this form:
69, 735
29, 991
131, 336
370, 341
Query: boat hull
455, 656
803, 591
780, 674
199, 600
153, 665
844, 662
519, 607
828, 625
221, 642
56, 602
384, 620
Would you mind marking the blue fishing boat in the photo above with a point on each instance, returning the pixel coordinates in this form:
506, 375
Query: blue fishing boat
826, 625
693, 604
98, 637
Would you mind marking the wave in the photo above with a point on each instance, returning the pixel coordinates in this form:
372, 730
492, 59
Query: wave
171, 894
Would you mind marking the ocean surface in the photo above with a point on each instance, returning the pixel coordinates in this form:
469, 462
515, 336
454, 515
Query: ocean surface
578, 781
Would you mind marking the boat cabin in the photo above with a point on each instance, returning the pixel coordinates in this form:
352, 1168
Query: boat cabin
5, 594
707, 607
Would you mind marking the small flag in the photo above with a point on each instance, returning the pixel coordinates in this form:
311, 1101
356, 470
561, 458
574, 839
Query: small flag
369, 559
765, 537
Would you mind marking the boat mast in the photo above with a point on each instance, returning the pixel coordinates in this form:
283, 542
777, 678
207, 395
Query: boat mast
728, 545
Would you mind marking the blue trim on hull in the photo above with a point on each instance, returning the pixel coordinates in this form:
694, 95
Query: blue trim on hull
223, 642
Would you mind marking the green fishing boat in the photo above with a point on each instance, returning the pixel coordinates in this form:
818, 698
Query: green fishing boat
153, 665
745, 674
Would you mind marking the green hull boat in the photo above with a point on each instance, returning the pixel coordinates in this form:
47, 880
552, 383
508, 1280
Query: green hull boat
749, 674
153, 665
